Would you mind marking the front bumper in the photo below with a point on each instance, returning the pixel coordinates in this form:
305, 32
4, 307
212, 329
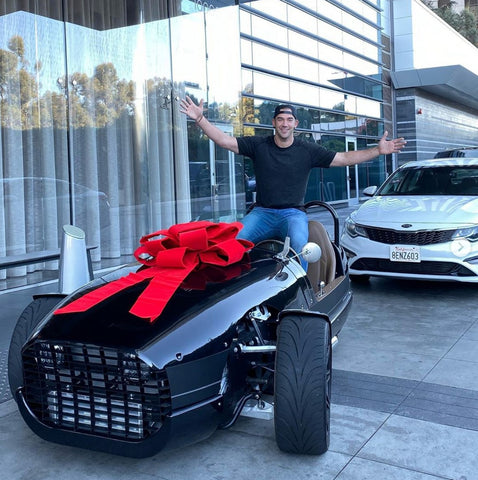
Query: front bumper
182, 428
438, 261
109, 400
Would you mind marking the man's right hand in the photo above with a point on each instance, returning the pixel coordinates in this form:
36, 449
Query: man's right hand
219, 137
193, 111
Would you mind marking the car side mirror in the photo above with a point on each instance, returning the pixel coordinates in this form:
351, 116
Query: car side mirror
311, 252
370, 191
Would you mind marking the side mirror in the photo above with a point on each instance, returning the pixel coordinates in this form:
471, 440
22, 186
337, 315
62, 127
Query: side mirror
370, 191
311, 252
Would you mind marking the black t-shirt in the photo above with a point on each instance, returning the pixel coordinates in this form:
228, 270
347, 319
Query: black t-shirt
282, 173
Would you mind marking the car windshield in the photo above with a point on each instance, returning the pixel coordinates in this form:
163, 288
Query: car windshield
439, 180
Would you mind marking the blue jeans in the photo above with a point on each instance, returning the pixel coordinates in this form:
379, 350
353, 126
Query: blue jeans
268, 223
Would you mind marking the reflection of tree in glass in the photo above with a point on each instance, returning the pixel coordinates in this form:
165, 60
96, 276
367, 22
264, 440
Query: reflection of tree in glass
101, 99
18, 88
93, 101
84, 101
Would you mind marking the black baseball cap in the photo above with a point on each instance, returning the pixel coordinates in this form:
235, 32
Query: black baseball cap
285, 109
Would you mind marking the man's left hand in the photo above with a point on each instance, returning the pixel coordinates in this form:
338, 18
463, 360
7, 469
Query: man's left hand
385, 147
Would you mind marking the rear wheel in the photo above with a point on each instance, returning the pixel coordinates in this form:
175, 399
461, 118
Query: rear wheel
303, 376
26, 323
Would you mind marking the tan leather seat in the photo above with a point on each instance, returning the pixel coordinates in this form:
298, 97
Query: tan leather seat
324, 269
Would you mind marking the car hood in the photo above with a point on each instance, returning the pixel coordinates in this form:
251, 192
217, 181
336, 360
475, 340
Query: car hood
208, 299
420, 212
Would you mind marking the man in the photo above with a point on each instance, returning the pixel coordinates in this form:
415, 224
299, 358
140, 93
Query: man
282, 164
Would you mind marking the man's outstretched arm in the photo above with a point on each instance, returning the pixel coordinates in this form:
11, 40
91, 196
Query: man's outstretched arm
195, 112
384, 147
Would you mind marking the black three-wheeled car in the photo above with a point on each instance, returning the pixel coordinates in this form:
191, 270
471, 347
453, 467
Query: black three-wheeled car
257, 330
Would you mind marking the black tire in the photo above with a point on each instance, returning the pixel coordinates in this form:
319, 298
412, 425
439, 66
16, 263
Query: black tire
26, 323
303, 381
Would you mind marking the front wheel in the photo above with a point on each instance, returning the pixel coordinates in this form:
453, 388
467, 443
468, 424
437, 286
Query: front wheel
303, 377
26, 323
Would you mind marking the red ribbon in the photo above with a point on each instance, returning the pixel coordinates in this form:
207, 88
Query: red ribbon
170, 260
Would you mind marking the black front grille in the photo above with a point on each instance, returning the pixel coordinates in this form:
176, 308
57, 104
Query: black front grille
95, 390
423, 237
422, 268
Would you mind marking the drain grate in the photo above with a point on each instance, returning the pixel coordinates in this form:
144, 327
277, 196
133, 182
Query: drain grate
4, 387
456, 407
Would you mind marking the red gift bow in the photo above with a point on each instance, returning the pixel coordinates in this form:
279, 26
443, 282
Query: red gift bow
170, 260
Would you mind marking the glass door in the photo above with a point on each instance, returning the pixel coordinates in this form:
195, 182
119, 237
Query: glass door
222, 176
352, 174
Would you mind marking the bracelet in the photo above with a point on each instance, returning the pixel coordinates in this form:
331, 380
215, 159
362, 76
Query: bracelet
198, 120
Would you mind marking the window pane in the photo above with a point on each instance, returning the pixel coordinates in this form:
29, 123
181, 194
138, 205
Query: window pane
224, 86
303, 43
329, 32
330, 11
334, 179
359, 65
270, 59
302, 19
331, 54
303, 68
266, 30
246, 51
34, 191
275, 8
245, 22
265, 85
304, 94
368, 108
331, 100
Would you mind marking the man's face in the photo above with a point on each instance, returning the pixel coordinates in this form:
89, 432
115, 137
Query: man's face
284, 124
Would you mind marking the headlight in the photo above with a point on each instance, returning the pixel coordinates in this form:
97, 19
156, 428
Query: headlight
354, 230
471, 234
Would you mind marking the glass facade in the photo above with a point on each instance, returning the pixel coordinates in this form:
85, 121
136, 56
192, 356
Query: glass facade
91, 132
324, 57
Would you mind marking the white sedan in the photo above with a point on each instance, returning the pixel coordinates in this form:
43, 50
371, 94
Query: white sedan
422, 223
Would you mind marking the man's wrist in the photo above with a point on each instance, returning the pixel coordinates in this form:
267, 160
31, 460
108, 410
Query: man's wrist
199, 119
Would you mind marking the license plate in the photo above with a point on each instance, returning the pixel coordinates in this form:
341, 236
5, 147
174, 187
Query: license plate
403, 253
